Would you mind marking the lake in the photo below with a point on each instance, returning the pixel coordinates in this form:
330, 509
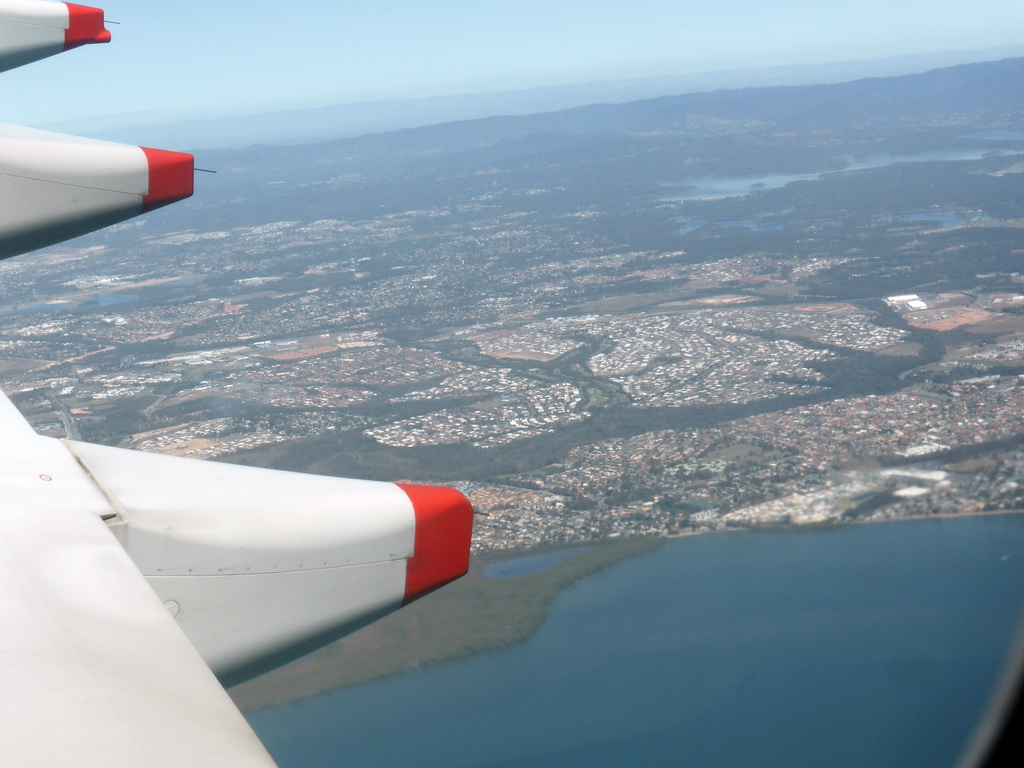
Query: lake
715, 187
869, 645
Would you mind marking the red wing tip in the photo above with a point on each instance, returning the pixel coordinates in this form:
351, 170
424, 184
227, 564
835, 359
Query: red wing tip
171, 177
444, 527
85, 25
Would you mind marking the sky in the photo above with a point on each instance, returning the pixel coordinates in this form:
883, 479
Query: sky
184, 60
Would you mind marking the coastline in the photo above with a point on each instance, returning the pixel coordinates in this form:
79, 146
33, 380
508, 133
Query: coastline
669, 654
946, 516
475, 615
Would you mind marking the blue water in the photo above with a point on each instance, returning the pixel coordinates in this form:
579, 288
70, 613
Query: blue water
35, 308
754, 225
871, 645
109, 299
103, 299
714, 187
946, 219
999, 135
762, 223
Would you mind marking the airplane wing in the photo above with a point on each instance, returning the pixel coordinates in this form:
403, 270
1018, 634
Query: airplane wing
133, 586
32, 29
55, 187
124, 577
262, 566
94, 670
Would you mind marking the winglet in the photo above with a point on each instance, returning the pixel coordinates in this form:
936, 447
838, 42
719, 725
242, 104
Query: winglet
444, 526
171, 177
85, 25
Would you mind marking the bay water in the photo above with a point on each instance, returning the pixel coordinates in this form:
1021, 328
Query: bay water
869, 645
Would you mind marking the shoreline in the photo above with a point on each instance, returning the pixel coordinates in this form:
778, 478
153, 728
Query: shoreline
941, 516
461, 621
471, 616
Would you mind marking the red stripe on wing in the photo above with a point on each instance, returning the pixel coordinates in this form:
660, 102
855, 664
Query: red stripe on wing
444, 526
171, 177
85, 25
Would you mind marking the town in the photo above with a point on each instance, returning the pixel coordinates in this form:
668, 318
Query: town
195, 367
586, 359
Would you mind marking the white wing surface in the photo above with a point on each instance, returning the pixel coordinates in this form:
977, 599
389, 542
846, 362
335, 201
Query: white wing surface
34, 29
126, 577
107, 556
55, 187
263, 566
95, 672
52, 186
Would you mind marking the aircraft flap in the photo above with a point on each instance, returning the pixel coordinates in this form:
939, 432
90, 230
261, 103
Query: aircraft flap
96, 673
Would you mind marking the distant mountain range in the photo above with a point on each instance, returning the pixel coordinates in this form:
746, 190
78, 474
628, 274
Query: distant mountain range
599, 151
358, 119
989, 94
979, 90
